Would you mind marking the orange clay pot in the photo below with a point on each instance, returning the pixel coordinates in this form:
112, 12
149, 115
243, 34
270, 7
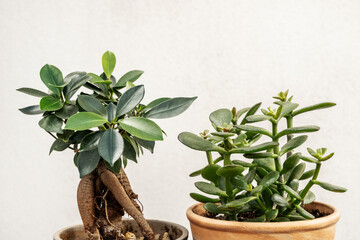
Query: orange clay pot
212, 229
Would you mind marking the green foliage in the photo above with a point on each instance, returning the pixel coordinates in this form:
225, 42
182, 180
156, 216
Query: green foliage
107, 121
261, 183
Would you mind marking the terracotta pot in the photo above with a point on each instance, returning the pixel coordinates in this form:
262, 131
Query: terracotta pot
211, 229
176, 231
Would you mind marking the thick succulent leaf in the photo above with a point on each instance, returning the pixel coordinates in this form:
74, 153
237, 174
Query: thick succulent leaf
198, 143
304, 213
75, 81
230, 171
269, 179
330, 187
223, 134
250, 112
291, 192
266, 163
32, 92
308, 159
297, 172
260, 155
51, 75
271, 214
221, 116
210, 189
307, 174
87, 162
111, 111
239, 182
84, 121
292, 144
302, 129
257, 118
50, 103
287, 107
149, 145
170, 108
31, 110
309, 198
313, 107
131, 76
243, 163
256, 148
211, 207
294, 184
67, 111
142, 128
240, 202
261, 218
130, 99
250, 176
279, 200
111, 146
59, 145
108, 63
51, 123
290, 163
203, 199
91, 104
91, 141
209, 173
254, 129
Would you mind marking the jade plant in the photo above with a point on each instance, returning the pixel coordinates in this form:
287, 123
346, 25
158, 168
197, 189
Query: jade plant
105, 127
258, 182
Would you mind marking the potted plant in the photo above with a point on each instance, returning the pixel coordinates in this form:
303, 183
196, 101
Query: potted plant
257, 186
105, 127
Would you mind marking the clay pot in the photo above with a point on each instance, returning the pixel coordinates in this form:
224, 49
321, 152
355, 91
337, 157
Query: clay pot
175, 231
212, 229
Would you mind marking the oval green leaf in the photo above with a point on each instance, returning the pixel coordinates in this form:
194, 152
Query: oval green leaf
170, 108
91, 104
221, 116
50, 103
84, 121
111, 146
87, 162
292, 144
130, 99
203, 199
32, 92
51, 75
197, 143
31, 110
142, 128
51, 123
131, 76
108, 63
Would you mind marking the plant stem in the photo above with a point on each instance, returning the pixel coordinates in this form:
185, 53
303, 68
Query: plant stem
227, 160
289, 124
261, 204
276, 149
209, 158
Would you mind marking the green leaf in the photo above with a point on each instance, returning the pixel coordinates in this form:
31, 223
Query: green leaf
250, 176
170, 108
330, 187
209, 173
313, 107
197, 143
221, 116
84, 121
240, 202
267, 163
292, 144
75, 81
130, 99
303, 129
243, 163
287, 107
91, 104
91, 141
269, 179
271, 214
297, 172
51, 124
108, 63
211, 207
256, 148
31, 110
142, 128
78, 136
156, 102
290, 163
67, 111
260, 155
291, 192
223, 134
51, 75
294, 184
32, 92
304, 213
59, 145
111, 146
97, 79
262, 218
50, 103
279, 200
257, 118
149, 145
230, 171
117, 166
111, 111
203, 199
129, 152
131, 76
251, 111
254, 129
65, 136
308, 159
257, 189
87, 162
210, 189
307, 174
239, 182
196, 173
309, 198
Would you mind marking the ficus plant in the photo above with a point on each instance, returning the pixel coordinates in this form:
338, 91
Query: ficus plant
258, 182
105, 126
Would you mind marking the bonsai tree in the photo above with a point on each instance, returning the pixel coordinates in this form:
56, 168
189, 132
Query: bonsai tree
105, 128
266, 188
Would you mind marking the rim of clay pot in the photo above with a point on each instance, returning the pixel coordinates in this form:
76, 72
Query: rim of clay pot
80, 227
283, 227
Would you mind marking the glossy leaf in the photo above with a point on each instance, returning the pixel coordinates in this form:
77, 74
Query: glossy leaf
239, 182
67, 111
203, 199
221, 116
291, 192
257, 118
254, 129
32, 92
330, 187
66, 135
256, 148
50, 103
91, 104
84, 121
131, 76
261, 218
170, 108
250, 112
51, 75
211, 207
210, 189
279, 200
297, 172
59, 145
308, 159
196, 173
266, 163
78, 136
117, 166
129, 152
290, 163
260, 155
292, 144
243, 163
91, 141
142, 128
209, 173
111, 146
250, 176
75, 81
223, 134
230, 171
31, 110
156, 102
287, 107
51, 124
271, 214
240, 202
304, 213
108, 63
303, 129
269, 179
197, 143
149, 145
307, 174
87, 162
111, 111
309, 198
313, 107
130, 99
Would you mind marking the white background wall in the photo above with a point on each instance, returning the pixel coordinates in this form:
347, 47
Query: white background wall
229, 53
